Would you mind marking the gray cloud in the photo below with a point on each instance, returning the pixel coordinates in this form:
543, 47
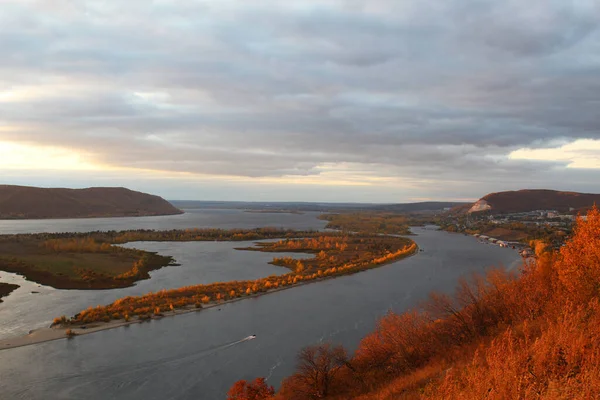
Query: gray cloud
419, 89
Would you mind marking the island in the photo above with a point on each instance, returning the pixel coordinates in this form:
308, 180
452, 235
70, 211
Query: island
76, 261
24, 202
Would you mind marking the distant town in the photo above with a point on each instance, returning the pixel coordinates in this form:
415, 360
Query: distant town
519, 230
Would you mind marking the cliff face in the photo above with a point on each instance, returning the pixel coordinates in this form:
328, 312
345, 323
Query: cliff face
480, 205
23, 202
531, 200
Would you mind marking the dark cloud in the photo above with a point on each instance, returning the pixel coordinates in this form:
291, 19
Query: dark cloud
420, 89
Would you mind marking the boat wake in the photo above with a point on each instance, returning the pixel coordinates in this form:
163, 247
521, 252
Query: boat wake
128, 374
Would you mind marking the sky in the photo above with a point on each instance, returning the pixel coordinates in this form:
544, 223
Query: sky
353, 101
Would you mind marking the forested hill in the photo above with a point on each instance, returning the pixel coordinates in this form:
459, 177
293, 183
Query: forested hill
23, 202
531, 200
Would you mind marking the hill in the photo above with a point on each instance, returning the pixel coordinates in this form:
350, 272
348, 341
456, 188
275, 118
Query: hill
319, 207
24, 202
421, 206
531, 200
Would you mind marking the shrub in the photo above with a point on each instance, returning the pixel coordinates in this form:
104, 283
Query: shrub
70, 333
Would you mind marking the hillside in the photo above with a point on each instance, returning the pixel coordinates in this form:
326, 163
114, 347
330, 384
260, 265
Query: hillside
528, 334
23, 202
421, 206
531, 200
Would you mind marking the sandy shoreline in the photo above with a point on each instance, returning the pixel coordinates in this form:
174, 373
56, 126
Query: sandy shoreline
59, 332
56, 333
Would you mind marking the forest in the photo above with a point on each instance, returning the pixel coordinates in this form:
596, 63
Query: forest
532, 334
335, 255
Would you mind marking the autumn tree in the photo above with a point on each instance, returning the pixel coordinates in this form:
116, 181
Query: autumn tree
318, 367
255, 390
579, 268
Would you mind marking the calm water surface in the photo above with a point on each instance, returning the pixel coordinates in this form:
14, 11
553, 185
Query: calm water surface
193, 218
199, 355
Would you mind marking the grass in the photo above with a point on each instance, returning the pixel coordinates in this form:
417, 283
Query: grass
76, 268
65, 264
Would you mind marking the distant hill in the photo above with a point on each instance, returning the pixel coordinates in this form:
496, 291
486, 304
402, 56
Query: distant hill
531, 200
320, 207
421, 206
24, 202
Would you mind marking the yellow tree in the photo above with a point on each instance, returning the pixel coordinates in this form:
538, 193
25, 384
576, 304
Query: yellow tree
579, 267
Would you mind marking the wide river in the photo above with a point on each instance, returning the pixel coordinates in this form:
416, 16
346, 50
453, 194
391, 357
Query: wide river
200, 355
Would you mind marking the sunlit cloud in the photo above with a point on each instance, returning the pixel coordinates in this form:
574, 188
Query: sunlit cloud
14, 156
23, 93
583, 153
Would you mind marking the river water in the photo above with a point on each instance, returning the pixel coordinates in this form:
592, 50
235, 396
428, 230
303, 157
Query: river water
200, 355
193, 218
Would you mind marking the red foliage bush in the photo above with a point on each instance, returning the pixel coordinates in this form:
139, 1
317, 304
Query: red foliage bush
255, 390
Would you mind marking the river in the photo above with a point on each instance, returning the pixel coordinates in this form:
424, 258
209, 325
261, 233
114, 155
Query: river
200, 355
192, 218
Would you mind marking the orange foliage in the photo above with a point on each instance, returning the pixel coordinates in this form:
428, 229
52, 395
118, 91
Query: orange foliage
535, 335
318, 368
255, 390
579, 269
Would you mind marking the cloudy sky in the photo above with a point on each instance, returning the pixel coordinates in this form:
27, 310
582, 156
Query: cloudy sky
374, 100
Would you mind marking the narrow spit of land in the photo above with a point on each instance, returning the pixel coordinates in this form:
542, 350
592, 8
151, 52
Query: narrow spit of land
335, 255
59, 331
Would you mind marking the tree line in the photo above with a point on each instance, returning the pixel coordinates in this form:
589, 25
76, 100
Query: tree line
359, 252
